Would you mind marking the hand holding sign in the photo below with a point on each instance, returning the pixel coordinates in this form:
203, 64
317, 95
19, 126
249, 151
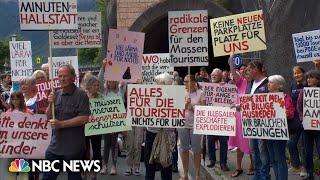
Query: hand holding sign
55, 124
51, 97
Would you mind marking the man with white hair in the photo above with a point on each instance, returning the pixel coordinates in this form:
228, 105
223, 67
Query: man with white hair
216, 77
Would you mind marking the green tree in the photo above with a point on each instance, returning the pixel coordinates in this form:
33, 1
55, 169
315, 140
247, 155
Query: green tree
5, 52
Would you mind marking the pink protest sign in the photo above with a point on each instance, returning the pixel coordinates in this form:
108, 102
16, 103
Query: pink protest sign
219, 94
24, 135
125, 53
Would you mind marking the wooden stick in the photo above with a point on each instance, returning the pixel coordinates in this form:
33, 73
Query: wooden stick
50, 71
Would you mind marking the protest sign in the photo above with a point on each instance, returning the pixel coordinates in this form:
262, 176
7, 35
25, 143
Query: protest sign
108, 115
188, 38
88, 34
156, 105
59, 61
43, 91
153, 65
264, 116
307, 45
21, 59
238, 33
125, 51
218, 94
311, 108
24, 135
214, 120
48, 14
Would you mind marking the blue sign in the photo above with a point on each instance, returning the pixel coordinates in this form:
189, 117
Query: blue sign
237, 61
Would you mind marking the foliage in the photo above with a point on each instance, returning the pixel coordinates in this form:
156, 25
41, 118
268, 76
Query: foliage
5, 52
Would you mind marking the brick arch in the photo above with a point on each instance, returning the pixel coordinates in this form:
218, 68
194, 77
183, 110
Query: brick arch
160, 10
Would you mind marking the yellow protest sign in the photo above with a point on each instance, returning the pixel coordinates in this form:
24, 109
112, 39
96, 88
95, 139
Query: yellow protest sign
238, 33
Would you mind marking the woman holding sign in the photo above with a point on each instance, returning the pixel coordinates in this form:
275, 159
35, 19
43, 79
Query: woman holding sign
239, 141
310, 136
278, 147
110, 89
194, 97
92, 89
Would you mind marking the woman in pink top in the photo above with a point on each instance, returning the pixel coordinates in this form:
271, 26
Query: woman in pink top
239, 141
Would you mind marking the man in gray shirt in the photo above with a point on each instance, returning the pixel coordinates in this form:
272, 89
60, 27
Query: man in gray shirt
71, 114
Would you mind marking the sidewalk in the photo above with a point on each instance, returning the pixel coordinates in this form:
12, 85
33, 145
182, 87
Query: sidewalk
216, 173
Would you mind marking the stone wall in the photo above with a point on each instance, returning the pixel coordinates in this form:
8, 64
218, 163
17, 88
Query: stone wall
129, 10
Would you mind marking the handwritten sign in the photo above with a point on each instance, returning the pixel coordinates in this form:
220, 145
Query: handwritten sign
21, 59
214, 120
48, 14
153, 65
307, 45
218, 94
88, 34
108, 116
188, 38
156, 105
311, 108
24, 135
59, 61
125, 50
238, 33
43, 91
264, 116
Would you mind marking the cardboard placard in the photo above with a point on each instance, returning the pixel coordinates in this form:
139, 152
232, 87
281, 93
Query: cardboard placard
188, 38
238, 33
88, 34
156, 105
264, 116
59, 61
48, 14
24, 135
214, 120
311, 108
21, 59
307, 45
219, 95
108, 115
153, 65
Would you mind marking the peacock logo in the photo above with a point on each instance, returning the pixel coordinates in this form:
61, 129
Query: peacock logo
19, 165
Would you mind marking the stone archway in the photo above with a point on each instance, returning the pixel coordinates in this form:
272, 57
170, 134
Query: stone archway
154, 23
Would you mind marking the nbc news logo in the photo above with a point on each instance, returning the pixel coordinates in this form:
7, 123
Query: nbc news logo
19, 165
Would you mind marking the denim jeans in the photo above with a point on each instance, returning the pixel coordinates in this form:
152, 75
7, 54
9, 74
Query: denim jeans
279, 165
310, 137
223, 140
166, 173
261, 159
294, 146
53, 175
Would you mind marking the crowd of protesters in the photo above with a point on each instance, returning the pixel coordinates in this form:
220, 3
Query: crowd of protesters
72, 112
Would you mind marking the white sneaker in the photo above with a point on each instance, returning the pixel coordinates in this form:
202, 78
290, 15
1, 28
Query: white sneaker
113, 170
303, 172
136, 172
104, 169
294, 170
128, 172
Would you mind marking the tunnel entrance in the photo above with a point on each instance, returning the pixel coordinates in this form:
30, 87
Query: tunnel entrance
154, 23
